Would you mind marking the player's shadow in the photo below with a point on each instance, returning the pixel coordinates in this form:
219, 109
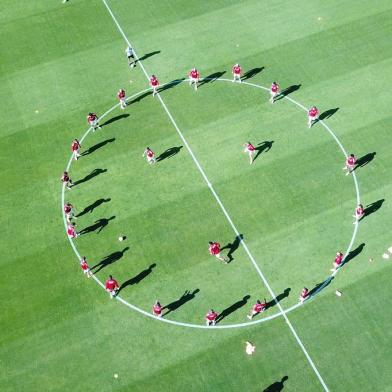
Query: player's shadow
138, 278
90, 208
212, 77
97, 146
170, 85
98, 225
320, 286
114, 119
94, 173
288, 90
232, 308
354, 253
233, 246
186, 297
327, 114
263, 147
109, 259
373, 207
170, 152
252, 72
364, 160
278, 298
148, 55
276, 386
139, 97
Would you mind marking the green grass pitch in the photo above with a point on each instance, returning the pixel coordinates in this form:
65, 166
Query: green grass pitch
293, 205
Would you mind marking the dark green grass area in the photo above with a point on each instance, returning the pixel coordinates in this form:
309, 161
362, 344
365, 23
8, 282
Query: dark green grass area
293, 205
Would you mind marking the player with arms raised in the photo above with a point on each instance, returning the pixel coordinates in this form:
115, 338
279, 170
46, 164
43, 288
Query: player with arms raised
194, 77
66, 179
313, 114
250, 149
236, 71
274, 91
92, 119
121, 98
350, 164
211, 317
111, 286
154, 83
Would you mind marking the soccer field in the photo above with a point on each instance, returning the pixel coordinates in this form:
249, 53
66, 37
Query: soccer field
280, 220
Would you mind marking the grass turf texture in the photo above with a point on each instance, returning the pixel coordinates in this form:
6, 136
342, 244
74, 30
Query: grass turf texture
293, 206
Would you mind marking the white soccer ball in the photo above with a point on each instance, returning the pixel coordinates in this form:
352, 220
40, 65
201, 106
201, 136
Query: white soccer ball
121, 238
115, 375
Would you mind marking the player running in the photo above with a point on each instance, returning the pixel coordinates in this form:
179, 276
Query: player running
111, 286
121, 97
274, 91
69, 212
214, 250
250, 149
92, 119
304, 295
154, 83
84, 266
194, 77
236, 71
313, 115
149, 154
359, 213
211, 318
66, 179
157, 309
131, 56
257, 308
71, 231
338, 261
75, 148
350, 164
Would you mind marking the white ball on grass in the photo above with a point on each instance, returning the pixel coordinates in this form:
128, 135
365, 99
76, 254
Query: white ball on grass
115, 375
121, 238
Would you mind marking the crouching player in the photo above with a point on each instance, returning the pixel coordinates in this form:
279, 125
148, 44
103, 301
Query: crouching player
304, 294
258, 307
111, 286
84, 266
194, 77
211, 318
313, 114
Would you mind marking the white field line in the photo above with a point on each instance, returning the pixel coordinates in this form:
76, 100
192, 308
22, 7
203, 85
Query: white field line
224, 211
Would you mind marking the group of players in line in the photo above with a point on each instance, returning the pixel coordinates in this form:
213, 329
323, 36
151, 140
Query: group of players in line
111, 285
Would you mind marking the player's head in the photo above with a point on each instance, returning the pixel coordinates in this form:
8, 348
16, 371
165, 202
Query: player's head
258, 301
157, 303
152, 76
65, 173
338, 253
352, 155
210, 242
83, 258
110, 277
90, 114
360, 205
147, 148
237, 65
274, 83
211, 311
193, 69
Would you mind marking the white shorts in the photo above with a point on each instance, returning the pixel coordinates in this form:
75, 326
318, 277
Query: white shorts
93, 123
313, 118
194, 80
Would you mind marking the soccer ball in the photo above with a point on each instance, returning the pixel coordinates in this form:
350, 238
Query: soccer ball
115, 375
121, 238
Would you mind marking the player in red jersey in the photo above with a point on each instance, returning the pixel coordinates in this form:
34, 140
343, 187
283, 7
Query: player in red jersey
84, 266
211, 318
66, 179
350, 164
157, 309
338, 261
149, 154
69, 212
92, 119
359, 213
236, 71
154, 83
71, 231
304, 294
121, 98
250, 149
313, 114
274, 91
194, 77
111, 286
214, 249
257, 308
75, 148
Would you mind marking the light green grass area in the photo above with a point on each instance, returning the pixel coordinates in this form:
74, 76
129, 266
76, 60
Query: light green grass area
293, 205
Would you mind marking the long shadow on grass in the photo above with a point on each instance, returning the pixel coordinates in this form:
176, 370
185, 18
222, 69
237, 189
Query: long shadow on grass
320, 286
170, 152
94, 173
170, 85
233, 246
232, 308
373, 207
287, 91
276, 386
327, 114
364, 160
99, 225
211, 78
278, 298
186, 297
138, 278
114, 119
148, 55
263, 147
97, 146
354, 253
110, 259
252, 72
93, 206
139, 97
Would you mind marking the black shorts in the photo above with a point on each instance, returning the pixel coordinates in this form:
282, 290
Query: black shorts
131, 57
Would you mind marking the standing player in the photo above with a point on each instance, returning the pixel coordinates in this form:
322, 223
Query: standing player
66, 179
250, 348
75, 148
157, 309
313, 114
84, 266
214, 250
154, 83
149, 154
338, 261
359, 213
194, 77
111, 286
236, 71
274, 91
69, 212
258, 307
92, 119
304, 294
350, 164
131, 56
121, 98
250, 149
71, 231
211, 318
